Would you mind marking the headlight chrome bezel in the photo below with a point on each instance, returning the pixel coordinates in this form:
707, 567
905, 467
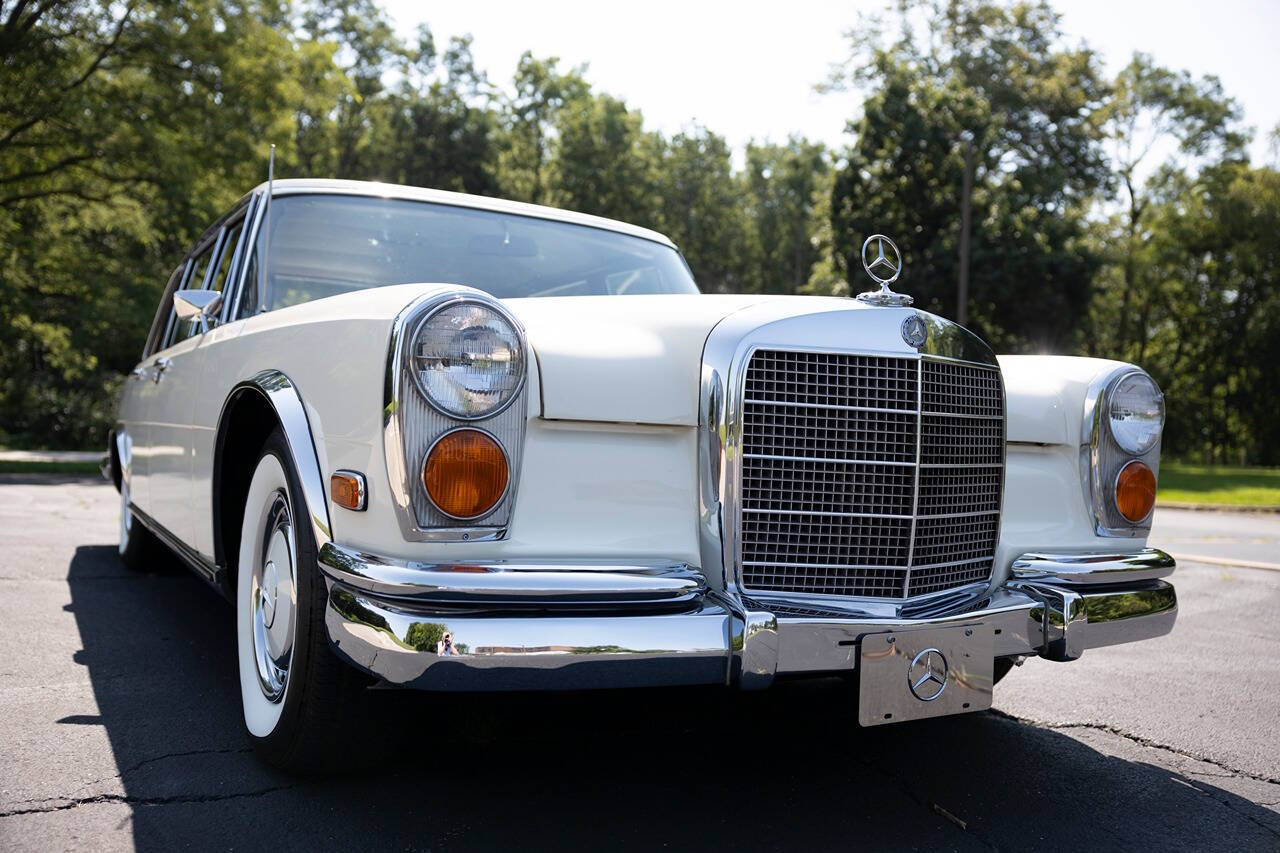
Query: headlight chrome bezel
1102, 456
413, 422
505, 317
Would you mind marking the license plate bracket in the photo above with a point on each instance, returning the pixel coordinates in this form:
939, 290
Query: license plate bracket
926, 672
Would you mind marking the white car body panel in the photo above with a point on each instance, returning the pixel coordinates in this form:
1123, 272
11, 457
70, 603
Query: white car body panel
609, 466
654, 463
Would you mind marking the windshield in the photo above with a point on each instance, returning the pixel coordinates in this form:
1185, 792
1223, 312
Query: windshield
322, 245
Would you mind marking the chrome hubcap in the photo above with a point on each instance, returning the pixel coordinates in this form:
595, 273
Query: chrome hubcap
274, 599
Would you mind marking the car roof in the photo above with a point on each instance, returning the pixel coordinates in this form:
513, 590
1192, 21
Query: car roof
302, 186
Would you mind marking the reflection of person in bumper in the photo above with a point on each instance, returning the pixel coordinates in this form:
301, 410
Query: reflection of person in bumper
445, 647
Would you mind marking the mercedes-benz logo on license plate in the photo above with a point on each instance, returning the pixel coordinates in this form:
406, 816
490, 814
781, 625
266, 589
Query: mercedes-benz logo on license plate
927, 675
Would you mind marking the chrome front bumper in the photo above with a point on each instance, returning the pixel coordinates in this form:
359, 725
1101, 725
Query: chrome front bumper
540, 626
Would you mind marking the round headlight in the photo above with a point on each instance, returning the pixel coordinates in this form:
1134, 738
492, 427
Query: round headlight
468, 360
1137, 413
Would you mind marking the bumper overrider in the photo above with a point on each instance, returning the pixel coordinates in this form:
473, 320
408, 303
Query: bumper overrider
573, 625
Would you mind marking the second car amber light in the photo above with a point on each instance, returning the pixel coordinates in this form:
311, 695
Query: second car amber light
1135, 491
465, 473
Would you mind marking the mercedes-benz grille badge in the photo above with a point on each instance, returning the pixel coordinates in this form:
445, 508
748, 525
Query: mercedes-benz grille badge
883, 262
914, 331
927, 675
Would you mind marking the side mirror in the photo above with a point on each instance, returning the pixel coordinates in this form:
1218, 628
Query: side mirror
199, 305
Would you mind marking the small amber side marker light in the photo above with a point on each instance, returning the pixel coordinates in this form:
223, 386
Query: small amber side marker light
1135, 491
465, 473
346, 489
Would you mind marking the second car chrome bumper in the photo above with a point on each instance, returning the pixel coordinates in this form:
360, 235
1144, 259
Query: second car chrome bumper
571, 625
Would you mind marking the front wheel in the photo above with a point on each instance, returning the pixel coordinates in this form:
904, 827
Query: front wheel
295, 693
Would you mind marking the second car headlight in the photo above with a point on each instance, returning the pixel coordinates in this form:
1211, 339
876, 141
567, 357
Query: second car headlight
468, 360
1137, 413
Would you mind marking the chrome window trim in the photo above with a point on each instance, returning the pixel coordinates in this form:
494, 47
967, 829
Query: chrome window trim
396, 379
206, 241
160, 328
506, 457
524, 373
1095, 437
239, 214
253, 227
726, 354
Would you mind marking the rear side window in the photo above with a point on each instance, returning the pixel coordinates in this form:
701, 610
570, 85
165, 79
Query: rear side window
227, 256
179, 330
155, 338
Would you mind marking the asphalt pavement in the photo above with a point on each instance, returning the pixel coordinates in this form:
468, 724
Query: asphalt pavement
120, 729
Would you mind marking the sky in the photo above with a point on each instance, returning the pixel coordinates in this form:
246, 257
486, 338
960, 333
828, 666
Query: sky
746, 69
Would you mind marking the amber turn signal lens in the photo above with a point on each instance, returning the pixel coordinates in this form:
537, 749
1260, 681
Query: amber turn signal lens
1135, 491
346, 489
465, 473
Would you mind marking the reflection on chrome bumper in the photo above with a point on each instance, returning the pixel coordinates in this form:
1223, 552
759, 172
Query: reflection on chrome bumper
576, 625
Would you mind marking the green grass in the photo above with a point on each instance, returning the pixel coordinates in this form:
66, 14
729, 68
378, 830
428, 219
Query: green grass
1219, 484
10, 467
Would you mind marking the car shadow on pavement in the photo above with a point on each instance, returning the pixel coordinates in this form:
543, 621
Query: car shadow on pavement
785, 769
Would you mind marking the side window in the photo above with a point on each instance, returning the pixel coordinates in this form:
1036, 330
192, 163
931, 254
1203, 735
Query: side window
227, 256
155, 338
249, 299
178, 330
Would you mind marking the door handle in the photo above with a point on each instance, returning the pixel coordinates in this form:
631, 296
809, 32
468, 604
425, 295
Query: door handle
161, 365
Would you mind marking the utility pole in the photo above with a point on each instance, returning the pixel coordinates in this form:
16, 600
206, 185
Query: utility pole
966, 206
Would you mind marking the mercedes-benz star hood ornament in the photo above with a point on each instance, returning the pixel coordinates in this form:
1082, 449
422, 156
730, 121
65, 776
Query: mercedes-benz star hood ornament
884, 267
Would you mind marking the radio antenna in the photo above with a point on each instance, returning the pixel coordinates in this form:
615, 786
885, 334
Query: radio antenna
266, 233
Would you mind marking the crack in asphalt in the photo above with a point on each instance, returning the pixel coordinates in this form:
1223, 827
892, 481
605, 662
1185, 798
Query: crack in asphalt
124, 799
70, 800
934, 808
144, 762
1235, 772
1231, 808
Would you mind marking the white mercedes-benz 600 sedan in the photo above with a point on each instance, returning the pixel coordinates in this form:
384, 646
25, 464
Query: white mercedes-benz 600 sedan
445, 442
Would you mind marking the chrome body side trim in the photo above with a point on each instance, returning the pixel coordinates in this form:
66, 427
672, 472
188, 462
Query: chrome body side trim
280, 392
209, 572
577, 625
410, 420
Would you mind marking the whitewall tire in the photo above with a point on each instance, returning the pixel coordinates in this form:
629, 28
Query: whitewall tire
295, 694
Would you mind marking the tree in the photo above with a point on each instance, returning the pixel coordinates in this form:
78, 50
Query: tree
440, 129
703, 209
541, 91
605, 163
996, 80
780, 182
1151, 111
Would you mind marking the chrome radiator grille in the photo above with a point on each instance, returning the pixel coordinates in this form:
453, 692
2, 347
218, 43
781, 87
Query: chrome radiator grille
869, 475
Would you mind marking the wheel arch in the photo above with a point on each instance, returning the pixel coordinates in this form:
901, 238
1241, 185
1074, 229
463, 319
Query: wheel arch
254, 408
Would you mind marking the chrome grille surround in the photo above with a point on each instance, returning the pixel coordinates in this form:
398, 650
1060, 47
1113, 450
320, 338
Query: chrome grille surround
845, 540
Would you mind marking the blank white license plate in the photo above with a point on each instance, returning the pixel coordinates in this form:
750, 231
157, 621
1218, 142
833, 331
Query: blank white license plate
929, 672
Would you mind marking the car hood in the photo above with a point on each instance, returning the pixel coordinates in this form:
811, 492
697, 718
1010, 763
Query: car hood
636, 359
624, 359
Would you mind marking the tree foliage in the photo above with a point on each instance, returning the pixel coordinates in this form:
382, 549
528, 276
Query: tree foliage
1116, 217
